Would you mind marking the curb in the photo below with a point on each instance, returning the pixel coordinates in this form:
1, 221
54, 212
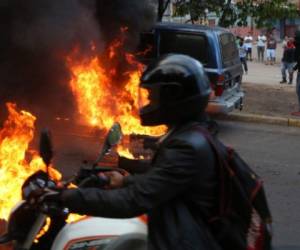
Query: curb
261, 119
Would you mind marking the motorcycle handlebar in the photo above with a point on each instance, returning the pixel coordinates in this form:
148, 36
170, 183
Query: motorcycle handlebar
88, 177
5, 238
95, 181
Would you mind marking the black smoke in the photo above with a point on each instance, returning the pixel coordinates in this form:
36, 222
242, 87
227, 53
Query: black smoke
36, 36
137, 15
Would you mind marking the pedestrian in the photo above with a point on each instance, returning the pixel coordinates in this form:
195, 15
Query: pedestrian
261, 45
179, 191
288, 62
237, 40
248, 40
271, 50
242, 53
284, 42
297, 67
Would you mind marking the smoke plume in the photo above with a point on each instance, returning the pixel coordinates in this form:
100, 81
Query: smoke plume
37, 36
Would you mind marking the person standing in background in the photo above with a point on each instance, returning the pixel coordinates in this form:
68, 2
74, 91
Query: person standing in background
261, 45
297, 67
242, 53
271, 50
248, 43
237, 40
288, 62
285, 42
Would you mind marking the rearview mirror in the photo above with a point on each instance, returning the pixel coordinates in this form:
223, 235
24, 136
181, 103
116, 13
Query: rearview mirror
114, 135
46, 151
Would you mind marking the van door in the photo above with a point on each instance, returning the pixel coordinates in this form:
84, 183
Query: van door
232, 68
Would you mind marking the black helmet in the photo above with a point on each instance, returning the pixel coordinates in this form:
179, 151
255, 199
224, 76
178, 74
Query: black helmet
177, 89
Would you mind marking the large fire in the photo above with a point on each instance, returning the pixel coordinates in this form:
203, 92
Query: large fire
16, 161
101, 99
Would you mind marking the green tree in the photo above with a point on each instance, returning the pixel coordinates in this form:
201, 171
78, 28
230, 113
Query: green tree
262, 12
267, 11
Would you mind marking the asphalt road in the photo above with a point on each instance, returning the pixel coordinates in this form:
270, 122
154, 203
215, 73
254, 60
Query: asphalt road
273, 151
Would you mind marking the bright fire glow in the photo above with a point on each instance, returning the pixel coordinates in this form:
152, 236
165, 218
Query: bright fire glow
144, 97
101, 103
16, 161
101, 99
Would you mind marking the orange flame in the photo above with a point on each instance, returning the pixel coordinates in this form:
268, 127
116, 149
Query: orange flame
15, 136
100, 99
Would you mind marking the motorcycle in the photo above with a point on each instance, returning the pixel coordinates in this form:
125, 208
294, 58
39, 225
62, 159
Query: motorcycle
27, 219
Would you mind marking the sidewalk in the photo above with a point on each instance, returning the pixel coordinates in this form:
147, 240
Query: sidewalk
277, 100
264, 95
260, 73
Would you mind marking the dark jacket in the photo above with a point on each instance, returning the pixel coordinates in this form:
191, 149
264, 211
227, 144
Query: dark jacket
297, 51
178, 193
289, 55
271, 43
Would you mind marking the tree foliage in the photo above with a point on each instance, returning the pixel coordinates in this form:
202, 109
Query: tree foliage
261, 11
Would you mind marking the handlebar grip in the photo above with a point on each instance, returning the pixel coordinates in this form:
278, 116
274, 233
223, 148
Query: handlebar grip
95, 181
104, 180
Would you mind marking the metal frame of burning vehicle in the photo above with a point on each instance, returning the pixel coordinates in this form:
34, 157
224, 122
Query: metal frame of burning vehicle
214, 47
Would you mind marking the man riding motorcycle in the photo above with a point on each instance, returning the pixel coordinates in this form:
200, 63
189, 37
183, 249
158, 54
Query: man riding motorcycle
179, 191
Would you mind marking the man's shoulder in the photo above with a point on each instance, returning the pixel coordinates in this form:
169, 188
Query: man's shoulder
191, 136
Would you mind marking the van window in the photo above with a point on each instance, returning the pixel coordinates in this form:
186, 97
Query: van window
228, 47
194, 45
